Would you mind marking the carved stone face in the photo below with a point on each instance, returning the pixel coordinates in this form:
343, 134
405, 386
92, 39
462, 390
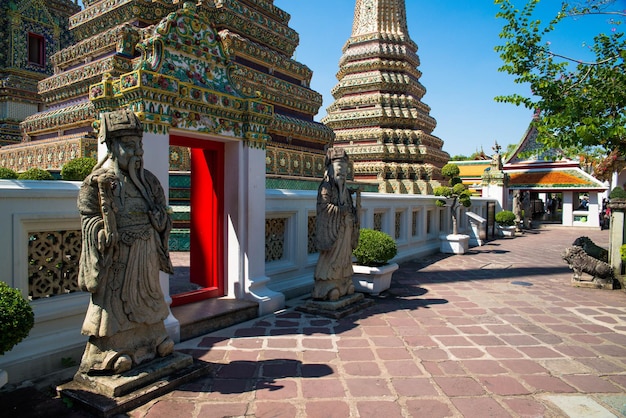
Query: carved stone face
340, 168
127, 149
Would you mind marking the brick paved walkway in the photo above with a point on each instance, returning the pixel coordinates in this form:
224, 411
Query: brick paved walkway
497, 332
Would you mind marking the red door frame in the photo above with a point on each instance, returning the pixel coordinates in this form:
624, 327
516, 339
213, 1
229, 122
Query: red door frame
207, 219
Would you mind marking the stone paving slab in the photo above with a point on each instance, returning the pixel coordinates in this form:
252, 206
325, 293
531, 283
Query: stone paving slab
496, 332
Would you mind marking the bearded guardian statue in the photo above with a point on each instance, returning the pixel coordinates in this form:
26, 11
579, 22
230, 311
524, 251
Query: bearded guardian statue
125, 229
337, 230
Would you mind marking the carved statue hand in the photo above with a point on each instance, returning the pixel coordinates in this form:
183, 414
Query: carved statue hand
106, 240
158, 218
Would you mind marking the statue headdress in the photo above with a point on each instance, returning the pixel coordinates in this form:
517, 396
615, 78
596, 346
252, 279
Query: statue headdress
119, 123
333, 154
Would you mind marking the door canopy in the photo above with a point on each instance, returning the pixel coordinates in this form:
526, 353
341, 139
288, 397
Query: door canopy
182, 80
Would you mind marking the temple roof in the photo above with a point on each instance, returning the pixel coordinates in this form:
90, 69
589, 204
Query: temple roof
546, 179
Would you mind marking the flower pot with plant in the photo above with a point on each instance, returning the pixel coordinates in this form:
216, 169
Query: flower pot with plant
372, 271
506, 223
456, 195
16, 321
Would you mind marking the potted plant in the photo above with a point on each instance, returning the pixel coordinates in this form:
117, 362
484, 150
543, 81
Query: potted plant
372, 271
16, 321
506, 223
456, 195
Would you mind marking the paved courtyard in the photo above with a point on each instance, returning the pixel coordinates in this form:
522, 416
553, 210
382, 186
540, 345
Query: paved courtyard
496, 332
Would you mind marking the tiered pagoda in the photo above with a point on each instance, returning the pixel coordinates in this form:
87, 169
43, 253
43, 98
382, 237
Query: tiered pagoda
378, 114
258, 45
30, 32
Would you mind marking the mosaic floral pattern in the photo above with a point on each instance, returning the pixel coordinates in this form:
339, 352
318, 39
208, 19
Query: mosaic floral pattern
124, 37
201, 63
47, 154
105, 14
382, 130
240, 18
183, 80
293, 162
185, 77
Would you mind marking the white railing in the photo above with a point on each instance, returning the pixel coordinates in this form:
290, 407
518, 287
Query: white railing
38, 207
414, 221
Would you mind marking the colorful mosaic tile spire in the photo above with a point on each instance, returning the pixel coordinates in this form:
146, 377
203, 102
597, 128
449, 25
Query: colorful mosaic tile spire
111, 35
378, 114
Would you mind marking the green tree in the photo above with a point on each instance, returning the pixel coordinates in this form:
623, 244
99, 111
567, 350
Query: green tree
580, 103
459, 157
455, 192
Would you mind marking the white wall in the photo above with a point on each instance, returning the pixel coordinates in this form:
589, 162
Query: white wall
37, 206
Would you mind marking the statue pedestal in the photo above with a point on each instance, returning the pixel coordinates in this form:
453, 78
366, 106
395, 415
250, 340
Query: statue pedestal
336, 309
115, 394
608, 284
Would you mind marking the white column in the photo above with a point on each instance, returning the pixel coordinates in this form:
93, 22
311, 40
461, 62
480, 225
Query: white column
568, 208
252, 235
156, 157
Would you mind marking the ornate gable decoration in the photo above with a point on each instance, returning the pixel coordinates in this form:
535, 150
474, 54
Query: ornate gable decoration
36, 10
187, 48
529, 150
182, 80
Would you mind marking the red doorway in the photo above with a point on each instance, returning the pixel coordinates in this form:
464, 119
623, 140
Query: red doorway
206, 268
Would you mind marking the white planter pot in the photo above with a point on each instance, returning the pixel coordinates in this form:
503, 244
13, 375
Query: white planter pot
373, 280
4, 378
507, 231
454, 244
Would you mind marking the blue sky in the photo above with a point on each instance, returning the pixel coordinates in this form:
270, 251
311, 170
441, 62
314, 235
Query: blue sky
456, 40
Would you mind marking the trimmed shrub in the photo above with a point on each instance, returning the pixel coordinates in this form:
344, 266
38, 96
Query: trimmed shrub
505, 218
7, 173
35, 174
16, 317
617, 193
375, 248
77, 169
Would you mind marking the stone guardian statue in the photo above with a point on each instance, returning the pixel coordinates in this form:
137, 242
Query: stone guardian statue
125, 228
337, 230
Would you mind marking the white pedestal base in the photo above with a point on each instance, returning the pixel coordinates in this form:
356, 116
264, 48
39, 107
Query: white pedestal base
454, 244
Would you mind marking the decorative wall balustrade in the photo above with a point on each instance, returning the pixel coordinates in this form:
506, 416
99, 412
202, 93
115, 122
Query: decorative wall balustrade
53, 263
414, 221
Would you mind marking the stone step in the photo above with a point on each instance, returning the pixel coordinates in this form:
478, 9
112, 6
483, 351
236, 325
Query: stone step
210, 315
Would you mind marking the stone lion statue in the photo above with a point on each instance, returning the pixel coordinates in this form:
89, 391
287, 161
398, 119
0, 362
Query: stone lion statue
581, 262
592, 249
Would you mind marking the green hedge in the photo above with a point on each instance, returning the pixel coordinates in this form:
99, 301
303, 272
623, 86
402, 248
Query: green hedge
78, 168
7, 174
35, 174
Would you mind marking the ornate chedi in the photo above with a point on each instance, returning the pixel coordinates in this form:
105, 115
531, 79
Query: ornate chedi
110, 67
378, 115
30, 32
